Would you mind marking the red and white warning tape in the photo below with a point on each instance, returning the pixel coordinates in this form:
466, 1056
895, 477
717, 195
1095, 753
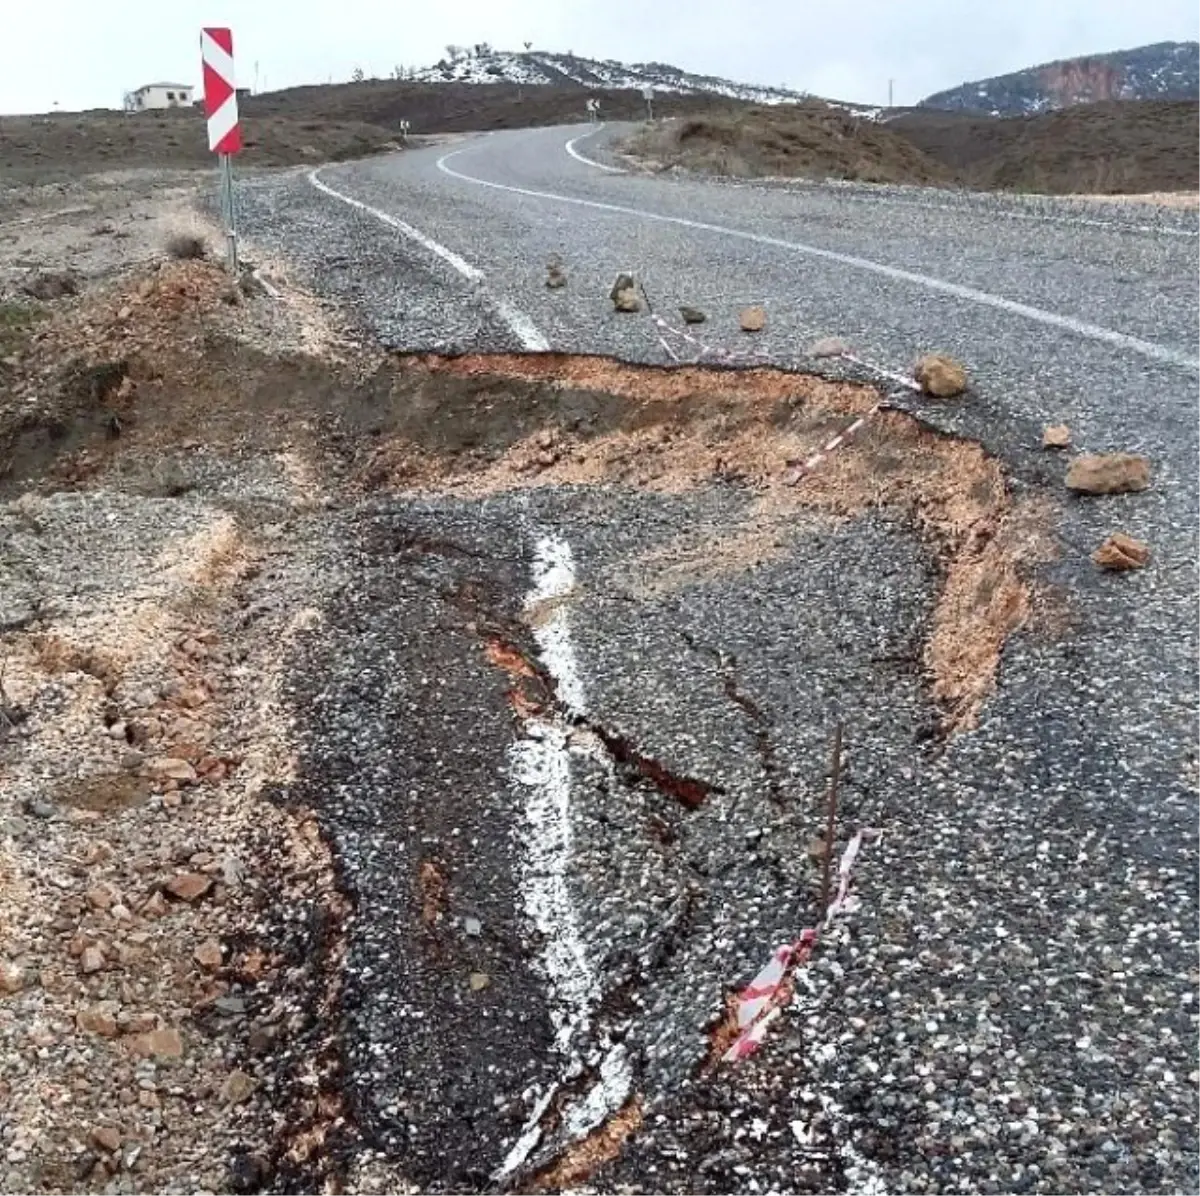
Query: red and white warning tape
761, 1001
728, 355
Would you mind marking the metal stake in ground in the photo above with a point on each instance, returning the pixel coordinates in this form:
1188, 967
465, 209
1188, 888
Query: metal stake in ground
224, 130
835, 769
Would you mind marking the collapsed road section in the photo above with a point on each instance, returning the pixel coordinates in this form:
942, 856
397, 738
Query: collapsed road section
526, 668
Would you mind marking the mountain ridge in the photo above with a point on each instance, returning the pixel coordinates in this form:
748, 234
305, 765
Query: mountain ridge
1156, 71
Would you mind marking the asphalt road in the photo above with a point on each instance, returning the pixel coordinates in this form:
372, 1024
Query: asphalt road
541, 919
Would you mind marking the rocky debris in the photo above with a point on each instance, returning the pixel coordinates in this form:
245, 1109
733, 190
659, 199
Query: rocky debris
170, 768
1120, 553
99, 1019
238, 1087
555, 276
12, 978
189, 886
478, 981
51, 284
1108, 473
940, 376
692, 315
828, 346
91, 960
1056, 436
105, 1137
158, 1044
752, 319
209, 955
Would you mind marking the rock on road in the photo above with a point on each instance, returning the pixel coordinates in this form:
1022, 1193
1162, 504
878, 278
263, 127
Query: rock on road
1013, 1006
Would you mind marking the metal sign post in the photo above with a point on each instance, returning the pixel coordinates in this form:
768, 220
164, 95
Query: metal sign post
648, 96
228, 213
224, 129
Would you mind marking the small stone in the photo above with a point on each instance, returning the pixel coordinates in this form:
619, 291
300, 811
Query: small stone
1056, 436
627, 300
99, 1019
91, 960
753, 319
100, 897
125, 312
247, 1172
473, 927
940, 376
1120, 553
189, 886
238, 1087
692, 315
155, 906
817, 848
161, 1044
1108, 473
209, 955
105, 1137
624, 282
172, 800
828, 346
171, 768
478, 981
39, 807
13, 978
555, 278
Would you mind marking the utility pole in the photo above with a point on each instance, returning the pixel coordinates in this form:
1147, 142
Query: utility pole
891, 83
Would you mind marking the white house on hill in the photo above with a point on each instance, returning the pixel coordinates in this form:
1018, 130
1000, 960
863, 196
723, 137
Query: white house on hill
159, 95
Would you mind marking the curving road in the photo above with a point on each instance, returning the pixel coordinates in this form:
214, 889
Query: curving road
1013, 1006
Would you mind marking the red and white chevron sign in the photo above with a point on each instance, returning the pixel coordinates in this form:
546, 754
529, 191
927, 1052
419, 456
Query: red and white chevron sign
220, 91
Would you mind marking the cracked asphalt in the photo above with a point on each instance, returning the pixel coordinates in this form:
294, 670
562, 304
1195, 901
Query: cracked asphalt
1013, 1005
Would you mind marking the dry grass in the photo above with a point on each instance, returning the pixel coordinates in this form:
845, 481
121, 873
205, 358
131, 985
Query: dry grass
184, 246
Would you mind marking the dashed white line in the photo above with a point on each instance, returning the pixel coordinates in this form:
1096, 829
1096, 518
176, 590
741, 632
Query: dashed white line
521, 326
590, 161
1118, 340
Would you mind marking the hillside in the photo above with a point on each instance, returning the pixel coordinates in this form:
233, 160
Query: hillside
1163, 71
1107, 148
482, 64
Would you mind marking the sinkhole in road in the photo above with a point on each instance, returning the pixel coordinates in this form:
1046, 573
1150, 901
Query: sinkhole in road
462, 446
481, 424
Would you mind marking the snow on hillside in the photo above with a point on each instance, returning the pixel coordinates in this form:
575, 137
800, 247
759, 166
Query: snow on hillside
481, 64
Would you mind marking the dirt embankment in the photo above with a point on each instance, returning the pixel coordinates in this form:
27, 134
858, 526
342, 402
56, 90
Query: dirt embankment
1112, 148
803, 141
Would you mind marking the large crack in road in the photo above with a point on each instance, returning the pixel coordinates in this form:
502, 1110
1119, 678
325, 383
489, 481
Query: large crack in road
566, 726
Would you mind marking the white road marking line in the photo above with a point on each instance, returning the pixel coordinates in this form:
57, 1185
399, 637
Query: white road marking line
590, 161
521, 326
541, 762
864, 192
1118, 340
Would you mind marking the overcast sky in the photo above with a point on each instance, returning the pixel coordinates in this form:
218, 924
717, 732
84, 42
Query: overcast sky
82, 53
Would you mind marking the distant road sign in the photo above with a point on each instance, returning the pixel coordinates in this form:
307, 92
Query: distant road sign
648, 92
220, 91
